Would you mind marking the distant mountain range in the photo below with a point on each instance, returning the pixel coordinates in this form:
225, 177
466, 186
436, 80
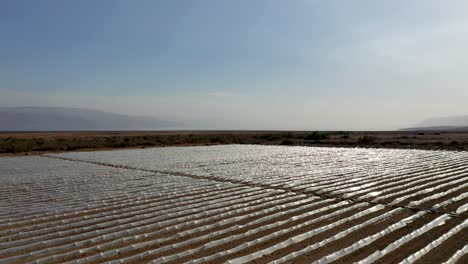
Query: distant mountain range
451, 123
75, 119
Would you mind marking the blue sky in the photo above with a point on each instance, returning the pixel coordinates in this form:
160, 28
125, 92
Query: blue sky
252, 64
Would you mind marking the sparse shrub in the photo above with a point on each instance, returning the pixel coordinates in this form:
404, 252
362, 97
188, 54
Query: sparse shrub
273, 138
316, 136
149, 143
216, 140
39, 141
387, 143
287, 142
366, 140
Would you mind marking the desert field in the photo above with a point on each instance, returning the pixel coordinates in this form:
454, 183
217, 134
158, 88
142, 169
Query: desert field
33, 143
235, 204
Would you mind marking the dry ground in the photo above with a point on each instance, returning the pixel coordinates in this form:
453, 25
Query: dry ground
43, 142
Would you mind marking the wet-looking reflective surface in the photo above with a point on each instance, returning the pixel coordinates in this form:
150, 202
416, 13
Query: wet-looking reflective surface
236, 204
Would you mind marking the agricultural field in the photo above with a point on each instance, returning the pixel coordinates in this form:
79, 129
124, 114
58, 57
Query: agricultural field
235, 204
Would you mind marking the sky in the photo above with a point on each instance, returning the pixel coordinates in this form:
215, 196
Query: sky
244, 64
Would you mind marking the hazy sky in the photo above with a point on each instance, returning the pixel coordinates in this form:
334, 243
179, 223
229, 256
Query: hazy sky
243, 64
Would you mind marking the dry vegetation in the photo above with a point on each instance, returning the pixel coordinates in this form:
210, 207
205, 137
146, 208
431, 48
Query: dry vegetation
40, 142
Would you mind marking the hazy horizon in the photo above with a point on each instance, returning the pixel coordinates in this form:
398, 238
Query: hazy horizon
265, 65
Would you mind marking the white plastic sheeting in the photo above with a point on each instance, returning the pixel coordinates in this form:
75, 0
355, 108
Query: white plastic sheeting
400, 242
301, 237
134, 232
233, 228
459, 254
321, 170
414, 257
154, 219
357, 245
420, 188
56, 210
271, 235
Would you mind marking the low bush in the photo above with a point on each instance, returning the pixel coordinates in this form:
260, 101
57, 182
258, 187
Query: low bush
316, 136
287, 142
216, 140
366, 140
